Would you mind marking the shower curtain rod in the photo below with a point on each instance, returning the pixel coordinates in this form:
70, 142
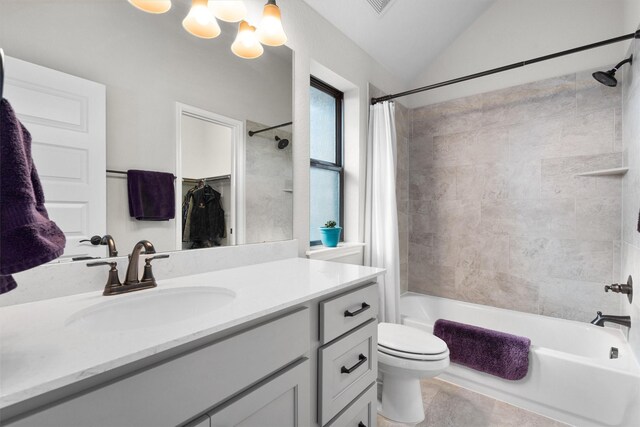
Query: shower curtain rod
251, 133
507, 67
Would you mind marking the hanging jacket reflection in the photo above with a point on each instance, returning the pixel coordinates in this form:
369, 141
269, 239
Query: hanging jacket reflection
207, 216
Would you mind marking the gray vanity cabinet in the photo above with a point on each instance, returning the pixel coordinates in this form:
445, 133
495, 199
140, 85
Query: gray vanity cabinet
191, 383
284, 370
362, 412
348, 358
281, 401
203, 421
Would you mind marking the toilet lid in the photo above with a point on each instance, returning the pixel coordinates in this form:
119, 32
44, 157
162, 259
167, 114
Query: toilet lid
405, 339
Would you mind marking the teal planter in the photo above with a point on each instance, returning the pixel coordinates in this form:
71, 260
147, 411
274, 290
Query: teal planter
330, 236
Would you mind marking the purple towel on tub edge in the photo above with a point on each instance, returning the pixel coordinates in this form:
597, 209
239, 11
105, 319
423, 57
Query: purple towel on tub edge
496, 353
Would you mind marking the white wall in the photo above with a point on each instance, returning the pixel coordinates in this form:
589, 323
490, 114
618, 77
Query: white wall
318, 44
511, 31
631, 15
206, 148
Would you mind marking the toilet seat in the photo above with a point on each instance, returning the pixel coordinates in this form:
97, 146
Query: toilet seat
413, 356
410, 343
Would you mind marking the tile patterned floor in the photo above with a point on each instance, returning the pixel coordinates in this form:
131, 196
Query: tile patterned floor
447, 405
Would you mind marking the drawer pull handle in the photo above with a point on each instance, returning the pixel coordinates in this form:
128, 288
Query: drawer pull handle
364, 307
361, 424
362, 358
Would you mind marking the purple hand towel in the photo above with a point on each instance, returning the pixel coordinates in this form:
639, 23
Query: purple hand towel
496, 353
28, 237
151, 195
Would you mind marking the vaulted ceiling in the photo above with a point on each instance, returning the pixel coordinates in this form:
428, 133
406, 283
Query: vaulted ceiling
408, 35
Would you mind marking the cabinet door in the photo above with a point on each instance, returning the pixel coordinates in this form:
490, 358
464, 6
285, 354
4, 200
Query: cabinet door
203, 421
279, 401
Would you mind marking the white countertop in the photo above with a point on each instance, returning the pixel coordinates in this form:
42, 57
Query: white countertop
40, 351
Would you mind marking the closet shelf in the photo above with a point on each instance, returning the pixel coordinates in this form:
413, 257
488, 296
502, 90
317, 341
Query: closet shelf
605, 172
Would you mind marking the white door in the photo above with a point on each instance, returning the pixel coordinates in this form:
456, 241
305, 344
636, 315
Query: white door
66, 116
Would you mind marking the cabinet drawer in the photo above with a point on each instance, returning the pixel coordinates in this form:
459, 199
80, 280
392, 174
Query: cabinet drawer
174, 391
346, 368
340, 314
362, 412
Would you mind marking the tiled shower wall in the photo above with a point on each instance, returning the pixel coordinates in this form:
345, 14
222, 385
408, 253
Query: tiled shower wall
268, 186
497, 215
631, 192
403, 131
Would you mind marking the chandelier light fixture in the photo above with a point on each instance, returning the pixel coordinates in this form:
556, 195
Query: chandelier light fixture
152, 6
270, 31
228, 11
201, 22
246, 44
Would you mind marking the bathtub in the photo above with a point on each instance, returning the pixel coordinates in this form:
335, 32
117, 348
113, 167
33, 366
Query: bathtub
571, 377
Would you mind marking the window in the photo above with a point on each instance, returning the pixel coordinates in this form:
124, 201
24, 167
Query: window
326, 190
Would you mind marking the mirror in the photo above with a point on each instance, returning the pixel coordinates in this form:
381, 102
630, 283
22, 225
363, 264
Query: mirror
161, 83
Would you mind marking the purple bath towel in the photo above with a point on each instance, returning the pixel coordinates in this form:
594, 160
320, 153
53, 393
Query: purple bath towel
496, 353
28, 237
151, 195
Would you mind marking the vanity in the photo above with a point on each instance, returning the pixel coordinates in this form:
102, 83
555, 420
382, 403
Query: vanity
284, 343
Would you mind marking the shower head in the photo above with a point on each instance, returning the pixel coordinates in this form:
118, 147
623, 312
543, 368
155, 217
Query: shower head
608, 78
282, 143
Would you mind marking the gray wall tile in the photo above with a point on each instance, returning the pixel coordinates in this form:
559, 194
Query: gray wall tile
482, 181
599, 218
558, 177
494, 202
539, 217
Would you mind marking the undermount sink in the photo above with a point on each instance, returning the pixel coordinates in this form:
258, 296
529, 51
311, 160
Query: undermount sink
151, 308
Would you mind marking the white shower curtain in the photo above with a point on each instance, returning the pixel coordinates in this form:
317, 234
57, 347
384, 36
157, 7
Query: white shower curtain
381, 216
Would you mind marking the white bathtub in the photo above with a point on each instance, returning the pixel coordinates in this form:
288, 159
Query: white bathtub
571, 377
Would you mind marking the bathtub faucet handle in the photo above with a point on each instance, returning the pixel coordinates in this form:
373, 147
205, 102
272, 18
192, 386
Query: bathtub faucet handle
621, 288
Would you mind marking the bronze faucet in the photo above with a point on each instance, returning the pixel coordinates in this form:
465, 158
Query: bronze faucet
132, 281
132, 278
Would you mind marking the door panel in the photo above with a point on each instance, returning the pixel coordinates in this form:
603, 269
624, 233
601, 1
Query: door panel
66, 116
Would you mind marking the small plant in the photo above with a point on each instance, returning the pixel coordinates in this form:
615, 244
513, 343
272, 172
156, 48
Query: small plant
330, 234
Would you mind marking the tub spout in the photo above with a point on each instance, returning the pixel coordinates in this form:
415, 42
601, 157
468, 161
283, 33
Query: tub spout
620, 320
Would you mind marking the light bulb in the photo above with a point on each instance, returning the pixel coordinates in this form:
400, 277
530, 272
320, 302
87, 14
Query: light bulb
246, 44
152, 6
270, 31
229, 11
200, 21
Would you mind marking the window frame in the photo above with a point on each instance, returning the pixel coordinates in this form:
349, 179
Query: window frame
338, 166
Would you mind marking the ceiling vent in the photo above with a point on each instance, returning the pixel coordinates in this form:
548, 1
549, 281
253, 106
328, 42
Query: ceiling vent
380, 6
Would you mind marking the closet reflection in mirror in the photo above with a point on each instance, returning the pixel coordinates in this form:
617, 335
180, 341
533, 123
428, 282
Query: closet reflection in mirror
207, 159
146, 66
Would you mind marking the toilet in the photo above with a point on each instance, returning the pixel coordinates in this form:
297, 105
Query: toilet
405, 355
